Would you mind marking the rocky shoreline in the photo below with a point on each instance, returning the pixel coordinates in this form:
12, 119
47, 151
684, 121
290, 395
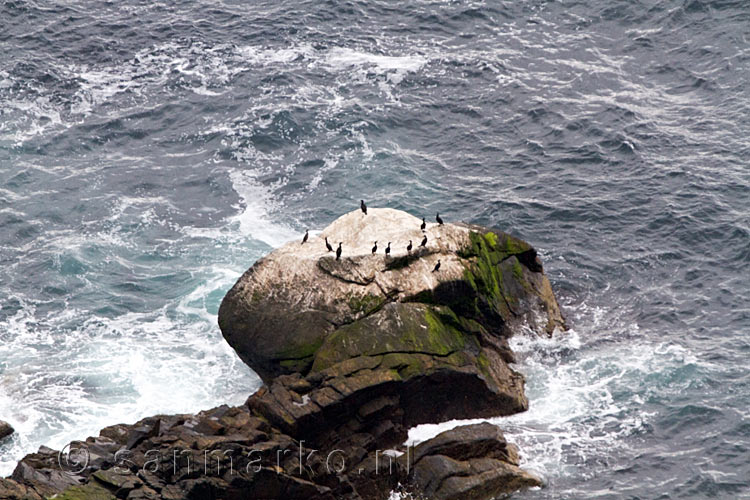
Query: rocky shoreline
353, 352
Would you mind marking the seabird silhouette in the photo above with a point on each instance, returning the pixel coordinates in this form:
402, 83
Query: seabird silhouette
304, 239
338, 251
328, 245
424, 224
424, 241
438, 219
363, 206
409, 247
388, 249
375, 248
437, 266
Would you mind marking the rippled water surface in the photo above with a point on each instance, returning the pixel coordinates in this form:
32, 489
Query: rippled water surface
149, 153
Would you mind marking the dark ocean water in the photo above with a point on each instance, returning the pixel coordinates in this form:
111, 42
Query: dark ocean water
149, 153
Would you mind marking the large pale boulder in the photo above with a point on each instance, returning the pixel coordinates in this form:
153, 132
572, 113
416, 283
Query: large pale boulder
281, 312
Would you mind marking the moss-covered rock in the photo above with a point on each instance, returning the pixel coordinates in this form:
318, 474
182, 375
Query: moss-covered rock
300, 299
398, 328
88, 491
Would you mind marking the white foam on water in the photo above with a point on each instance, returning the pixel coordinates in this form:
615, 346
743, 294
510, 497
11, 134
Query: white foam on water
64, 380
343, 58
5, 80
328, 165
389, 70
256, 203
261, 56
204, 69
28, 118
253, 217
586, 398
68, 373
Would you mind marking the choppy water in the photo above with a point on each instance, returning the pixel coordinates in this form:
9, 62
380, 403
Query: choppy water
149, 153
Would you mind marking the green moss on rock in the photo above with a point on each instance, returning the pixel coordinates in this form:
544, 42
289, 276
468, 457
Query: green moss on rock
299, 358
89, 491
301, 351
495, 272
485, 275
491, 239
484, 365
397, 328
297, 365
365, 304
500, 246
407, 365
513, 246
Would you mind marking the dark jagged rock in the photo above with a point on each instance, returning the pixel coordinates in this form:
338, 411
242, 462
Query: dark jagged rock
234, 452
353, 353
13, 490
472, 461
5, 429
469, 441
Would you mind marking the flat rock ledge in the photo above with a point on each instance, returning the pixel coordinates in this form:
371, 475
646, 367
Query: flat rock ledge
353, 352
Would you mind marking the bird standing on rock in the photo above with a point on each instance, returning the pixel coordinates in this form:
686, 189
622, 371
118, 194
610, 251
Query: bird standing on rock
338, 251
424, 224
438, 219
424, 241
375, 248
388, 249
328, 245
304, 239
363, 206
437, 266
409, 247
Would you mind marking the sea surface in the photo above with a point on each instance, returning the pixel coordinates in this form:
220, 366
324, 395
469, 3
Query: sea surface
151, 151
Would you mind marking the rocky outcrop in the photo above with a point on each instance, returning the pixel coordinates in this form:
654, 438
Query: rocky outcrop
287, 305
472, 461
234, 452
353, 353
5, 429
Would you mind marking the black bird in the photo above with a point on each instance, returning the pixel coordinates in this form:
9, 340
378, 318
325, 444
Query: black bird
388, 249
363, 206
424, 241
437, 266
307, 235
438, 219
424, 224
338, 251
328, 245
409, 247
375, 248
